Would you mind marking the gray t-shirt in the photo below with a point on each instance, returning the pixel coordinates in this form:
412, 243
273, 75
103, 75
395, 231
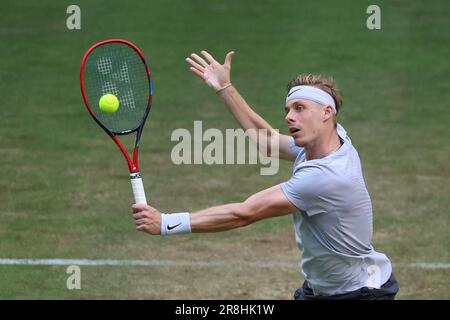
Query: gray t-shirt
333, 227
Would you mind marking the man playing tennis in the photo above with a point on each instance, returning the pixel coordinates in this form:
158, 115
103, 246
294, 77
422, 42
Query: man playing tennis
327, 195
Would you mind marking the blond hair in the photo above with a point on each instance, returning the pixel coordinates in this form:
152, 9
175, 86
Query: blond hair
327, 84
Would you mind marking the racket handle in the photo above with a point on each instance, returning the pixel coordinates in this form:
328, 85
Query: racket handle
138, 188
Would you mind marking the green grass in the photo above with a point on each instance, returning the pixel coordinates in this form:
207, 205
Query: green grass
64, 189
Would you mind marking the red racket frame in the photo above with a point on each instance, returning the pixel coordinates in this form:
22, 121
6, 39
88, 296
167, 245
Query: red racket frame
133, 165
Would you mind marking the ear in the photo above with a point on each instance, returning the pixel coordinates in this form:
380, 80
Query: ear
327, 113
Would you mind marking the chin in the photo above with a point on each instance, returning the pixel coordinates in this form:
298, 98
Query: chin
300, 143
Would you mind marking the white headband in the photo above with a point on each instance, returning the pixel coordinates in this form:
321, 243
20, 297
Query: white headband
311, 93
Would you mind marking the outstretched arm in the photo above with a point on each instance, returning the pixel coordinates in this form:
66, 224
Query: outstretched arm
217, 77
265, 204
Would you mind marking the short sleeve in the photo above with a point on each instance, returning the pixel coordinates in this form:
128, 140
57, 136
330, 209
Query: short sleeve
308, 190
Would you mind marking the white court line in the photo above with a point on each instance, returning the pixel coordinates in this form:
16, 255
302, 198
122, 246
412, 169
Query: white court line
424, 265
185, 263
147, 263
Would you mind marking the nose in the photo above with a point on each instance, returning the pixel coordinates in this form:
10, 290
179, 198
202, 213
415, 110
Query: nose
288, 118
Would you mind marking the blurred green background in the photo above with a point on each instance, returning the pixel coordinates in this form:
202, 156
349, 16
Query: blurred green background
65, 191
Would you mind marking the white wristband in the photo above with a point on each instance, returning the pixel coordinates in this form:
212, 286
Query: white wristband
175, 223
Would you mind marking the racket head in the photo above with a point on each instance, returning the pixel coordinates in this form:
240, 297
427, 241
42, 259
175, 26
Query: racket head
118, 67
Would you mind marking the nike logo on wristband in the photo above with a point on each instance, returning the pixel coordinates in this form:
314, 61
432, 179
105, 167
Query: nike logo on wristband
173, 227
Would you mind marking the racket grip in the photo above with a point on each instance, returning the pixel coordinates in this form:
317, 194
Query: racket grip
138, 188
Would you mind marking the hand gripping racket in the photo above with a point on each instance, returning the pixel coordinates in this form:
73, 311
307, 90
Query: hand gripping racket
118, 67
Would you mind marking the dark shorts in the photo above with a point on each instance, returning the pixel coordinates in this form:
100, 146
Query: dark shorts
386, 292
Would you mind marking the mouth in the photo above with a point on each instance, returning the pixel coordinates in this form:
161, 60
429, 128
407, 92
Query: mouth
293, 130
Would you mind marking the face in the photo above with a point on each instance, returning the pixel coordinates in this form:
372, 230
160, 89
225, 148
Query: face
305, 120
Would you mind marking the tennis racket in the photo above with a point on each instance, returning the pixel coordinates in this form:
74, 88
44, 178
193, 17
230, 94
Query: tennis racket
118, 67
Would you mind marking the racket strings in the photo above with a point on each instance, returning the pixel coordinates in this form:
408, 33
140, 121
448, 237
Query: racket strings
117, 69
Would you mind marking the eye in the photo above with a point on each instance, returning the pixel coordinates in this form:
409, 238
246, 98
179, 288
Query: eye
299, 107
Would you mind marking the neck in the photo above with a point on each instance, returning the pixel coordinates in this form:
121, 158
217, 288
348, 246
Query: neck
323, 146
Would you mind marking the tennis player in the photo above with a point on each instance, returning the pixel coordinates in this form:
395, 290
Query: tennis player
326, 193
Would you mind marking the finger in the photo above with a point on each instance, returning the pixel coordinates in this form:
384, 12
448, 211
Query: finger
136, 210
139, 215
198, 73
137, 207
208, 56
199, 60
228, 58
195, 64
141, 227
140, 206
141, 222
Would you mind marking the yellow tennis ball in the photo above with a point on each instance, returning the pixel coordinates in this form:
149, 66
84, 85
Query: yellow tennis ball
108, 103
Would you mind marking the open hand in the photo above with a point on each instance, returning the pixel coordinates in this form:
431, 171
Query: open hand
216, 75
